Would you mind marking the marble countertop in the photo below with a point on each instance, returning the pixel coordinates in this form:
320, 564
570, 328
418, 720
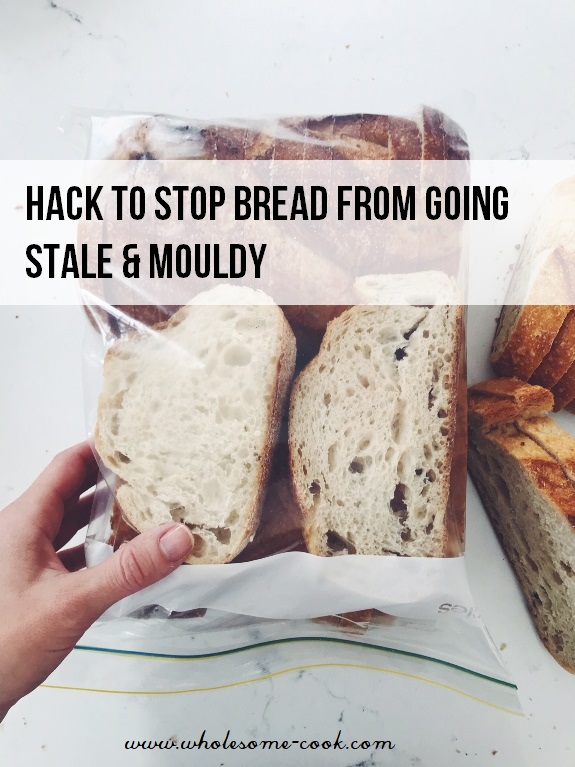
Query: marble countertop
500, 70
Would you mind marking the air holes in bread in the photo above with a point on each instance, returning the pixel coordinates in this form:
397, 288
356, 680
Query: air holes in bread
332, 456
314, 488
336, 544
400, 353
237, 356
365, 443
397, 503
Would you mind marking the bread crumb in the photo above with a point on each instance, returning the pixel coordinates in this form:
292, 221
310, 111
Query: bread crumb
503, 645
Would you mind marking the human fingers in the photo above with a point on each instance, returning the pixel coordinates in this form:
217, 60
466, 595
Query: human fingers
69, 474
139, 563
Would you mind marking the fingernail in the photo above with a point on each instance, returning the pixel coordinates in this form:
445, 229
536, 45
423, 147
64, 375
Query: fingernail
176, 543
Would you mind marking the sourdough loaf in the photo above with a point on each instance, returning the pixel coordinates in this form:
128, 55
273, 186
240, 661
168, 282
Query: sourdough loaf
523, 466
371, 431
428, 135
189, 415
560, 357
541, 296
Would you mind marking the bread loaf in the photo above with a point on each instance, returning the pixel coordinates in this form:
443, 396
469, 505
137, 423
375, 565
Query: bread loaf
535, 331
524, 337
523, 467
560, 357
189, 415
428, 135
371, 431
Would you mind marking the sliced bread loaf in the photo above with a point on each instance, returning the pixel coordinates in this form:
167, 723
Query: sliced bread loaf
371, 431
524, 336
522, 466
560, 357
542, 289
189, 415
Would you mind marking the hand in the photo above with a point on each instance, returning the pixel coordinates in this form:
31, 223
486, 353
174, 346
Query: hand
46, 601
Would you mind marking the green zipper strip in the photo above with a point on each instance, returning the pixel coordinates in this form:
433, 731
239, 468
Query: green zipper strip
271, 642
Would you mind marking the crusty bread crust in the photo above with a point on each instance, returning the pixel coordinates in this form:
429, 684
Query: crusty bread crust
564, 389
428, 135
530, 340
503, 400
540, 296
560, 357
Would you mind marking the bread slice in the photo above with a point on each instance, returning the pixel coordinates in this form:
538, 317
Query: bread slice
560, 357
523, 469
524, 337
564, 389
371, 431
189, 415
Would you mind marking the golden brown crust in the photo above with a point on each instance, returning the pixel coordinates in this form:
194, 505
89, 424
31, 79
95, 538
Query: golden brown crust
560, 358
530, 341
564, 389
504, 421
503, 400
556, 442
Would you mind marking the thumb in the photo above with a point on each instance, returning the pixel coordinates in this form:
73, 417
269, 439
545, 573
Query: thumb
142, 561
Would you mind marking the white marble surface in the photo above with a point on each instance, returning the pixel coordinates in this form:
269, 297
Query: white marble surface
501, 70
